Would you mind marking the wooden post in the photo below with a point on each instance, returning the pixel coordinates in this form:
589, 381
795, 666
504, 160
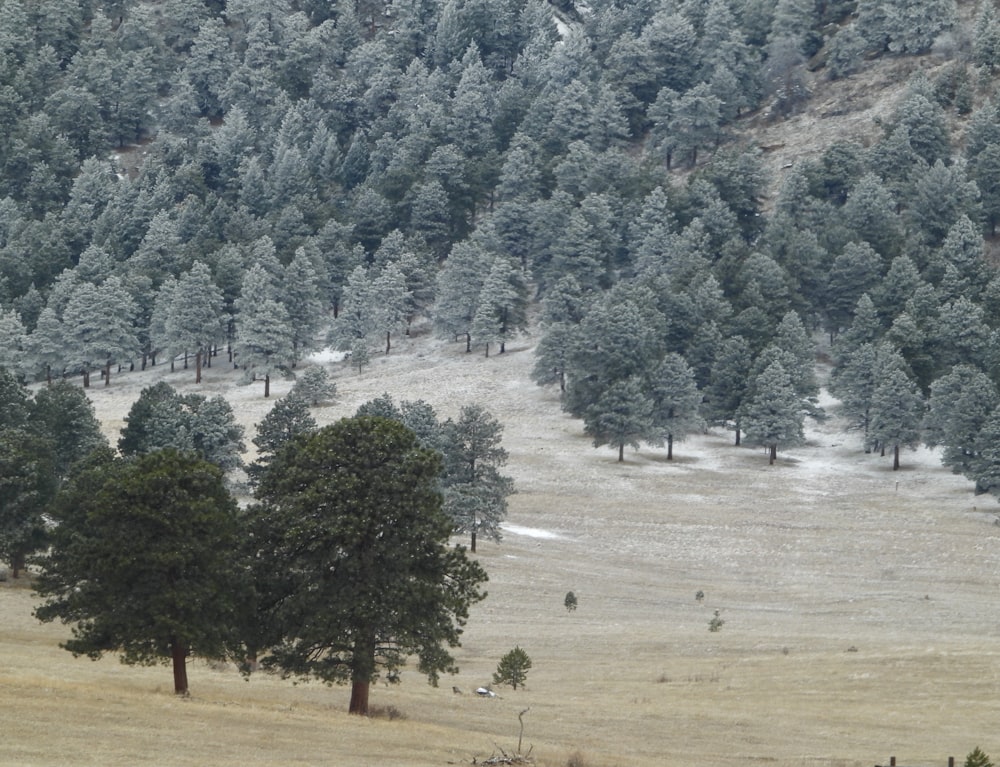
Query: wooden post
892, 761
951, 761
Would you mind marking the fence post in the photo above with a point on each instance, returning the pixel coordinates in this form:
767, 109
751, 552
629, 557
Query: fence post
951, 761
892, 761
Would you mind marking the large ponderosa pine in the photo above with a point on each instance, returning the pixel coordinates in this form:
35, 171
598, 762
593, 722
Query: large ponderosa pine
351, 521
142, 562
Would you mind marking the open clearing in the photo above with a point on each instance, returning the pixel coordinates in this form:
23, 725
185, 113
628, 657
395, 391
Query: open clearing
859, 606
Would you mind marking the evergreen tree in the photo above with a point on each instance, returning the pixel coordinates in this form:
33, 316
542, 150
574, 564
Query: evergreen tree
300, 295
13, 342
773, 415
501, 309
622, 415
475, 492
897, 411
729, 383
459, 285
195, 319
513, 668
98, 327
176, 586
676, 401
313, 385
264, 336
959, 404
351, 526
287, 419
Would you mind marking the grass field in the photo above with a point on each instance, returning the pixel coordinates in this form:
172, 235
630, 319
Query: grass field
860, 610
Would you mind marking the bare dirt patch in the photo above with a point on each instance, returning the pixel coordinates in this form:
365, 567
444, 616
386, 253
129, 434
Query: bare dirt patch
859, 607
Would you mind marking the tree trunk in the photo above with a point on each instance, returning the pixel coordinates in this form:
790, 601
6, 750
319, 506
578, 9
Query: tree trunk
179, 655
359, 697
362, 670
468, 342
17, 563
185, 360
562, 381
621, 452
387, 344
895, 457
107, 373
472, 546
86, 379
670, 447
772, 455
737, 429
503, 347
487, 348
197, 367
267, 385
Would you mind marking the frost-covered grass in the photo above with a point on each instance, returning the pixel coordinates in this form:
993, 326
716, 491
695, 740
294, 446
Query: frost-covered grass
859, 607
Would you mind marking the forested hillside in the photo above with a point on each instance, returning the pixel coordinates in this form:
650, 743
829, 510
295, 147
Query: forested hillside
268, 177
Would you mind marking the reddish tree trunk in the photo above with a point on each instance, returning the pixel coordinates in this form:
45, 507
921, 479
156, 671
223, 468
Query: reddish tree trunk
359, 697
197, 367
178, 653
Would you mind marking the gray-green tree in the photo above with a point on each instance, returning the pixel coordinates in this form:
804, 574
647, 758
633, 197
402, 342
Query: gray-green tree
621, 415
959, 405
897, 411
676, 401
195, 320
773, 414
475, 492
513, 668
264, 335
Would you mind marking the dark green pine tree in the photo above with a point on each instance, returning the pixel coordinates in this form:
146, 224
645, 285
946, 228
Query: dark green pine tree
142, 562
289, 418
729, 384
351, 528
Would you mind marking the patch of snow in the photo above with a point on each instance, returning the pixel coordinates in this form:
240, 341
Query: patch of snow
327, 355
531, 532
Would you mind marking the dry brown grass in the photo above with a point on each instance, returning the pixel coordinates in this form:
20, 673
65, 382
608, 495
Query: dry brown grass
859, 608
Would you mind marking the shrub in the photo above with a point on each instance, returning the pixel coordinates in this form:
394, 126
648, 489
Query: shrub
570, 601
977, 758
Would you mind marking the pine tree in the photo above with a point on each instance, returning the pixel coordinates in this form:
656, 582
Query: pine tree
179, 589
622, 415
264, 335
773, 415
513, 668
676, 401
959, 404
287, 419
372, 579
313, 385
897, 412
501, 309
195, 319
475, 491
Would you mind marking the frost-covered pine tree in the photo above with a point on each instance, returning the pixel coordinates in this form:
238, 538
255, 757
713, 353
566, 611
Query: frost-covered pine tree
264, 337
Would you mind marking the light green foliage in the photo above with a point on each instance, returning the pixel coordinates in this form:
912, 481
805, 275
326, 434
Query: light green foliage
513, 668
